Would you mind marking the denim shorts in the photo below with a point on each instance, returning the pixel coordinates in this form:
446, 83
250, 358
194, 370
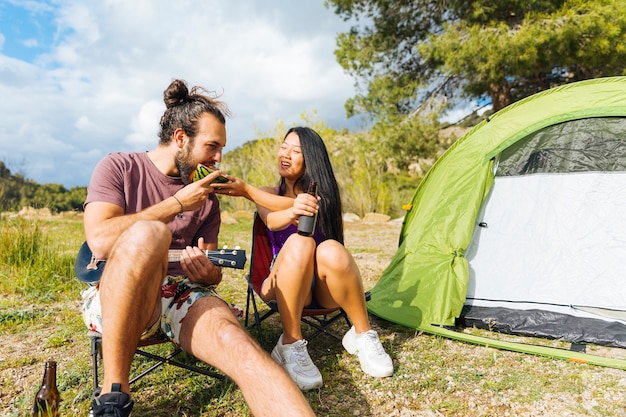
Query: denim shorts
177, 295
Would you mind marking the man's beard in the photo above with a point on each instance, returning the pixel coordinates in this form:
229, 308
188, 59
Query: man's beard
184, 165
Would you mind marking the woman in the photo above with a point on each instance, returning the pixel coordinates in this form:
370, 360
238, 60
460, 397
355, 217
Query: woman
307, 271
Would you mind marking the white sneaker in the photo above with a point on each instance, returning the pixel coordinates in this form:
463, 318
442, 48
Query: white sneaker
372, 356
295, 359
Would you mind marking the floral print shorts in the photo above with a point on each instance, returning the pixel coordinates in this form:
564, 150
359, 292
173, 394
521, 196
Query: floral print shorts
177, 295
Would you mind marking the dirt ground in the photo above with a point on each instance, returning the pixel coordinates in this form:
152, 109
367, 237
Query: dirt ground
434, 377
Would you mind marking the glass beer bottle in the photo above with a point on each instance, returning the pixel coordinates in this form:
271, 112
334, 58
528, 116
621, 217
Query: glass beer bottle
306, 224
48, 398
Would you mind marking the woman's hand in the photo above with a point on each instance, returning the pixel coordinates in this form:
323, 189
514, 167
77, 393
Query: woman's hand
260, 196
235, 187
304, 205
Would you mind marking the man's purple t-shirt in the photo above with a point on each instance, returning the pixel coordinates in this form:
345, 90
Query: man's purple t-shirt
131, 181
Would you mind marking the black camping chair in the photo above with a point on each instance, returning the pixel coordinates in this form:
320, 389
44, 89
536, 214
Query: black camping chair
158, 359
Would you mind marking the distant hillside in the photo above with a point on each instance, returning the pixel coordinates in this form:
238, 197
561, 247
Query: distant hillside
373, 177
17, 192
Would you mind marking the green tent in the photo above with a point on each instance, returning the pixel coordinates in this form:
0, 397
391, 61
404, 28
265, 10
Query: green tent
521, 221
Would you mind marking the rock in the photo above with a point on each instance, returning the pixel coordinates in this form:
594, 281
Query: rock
33, 213
376, 218
351, 217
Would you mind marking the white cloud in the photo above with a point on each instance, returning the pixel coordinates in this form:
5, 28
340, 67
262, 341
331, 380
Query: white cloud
145, 126
30, 43
99, 88
84, 124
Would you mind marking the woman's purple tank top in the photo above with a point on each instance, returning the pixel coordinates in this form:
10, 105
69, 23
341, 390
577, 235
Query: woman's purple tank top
279, 237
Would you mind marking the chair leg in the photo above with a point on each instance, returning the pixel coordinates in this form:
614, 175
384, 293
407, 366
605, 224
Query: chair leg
245, 324
257, 318
96, 355
348, 322
169, 359
322, 325
96, 349
257, 321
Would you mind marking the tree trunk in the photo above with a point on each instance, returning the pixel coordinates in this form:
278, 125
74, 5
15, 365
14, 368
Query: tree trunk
500, 96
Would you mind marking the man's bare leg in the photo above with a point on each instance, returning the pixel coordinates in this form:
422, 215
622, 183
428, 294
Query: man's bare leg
129, 296
211, 333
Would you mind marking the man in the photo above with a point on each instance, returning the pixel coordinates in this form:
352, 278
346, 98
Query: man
140, 205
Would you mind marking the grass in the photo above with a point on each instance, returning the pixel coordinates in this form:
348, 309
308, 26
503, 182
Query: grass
40, 320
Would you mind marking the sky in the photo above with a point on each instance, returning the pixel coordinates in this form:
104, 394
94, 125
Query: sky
80, 79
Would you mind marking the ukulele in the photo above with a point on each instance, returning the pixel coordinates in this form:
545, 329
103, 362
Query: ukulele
89, 269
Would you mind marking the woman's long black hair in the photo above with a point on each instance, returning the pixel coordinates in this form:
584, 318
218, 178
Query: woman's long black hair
317, 167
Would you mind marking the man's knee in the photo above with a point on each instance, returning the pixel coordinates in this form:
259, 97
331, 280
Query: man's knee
145, 235
141, 244
211, 317
231, 333
137, 261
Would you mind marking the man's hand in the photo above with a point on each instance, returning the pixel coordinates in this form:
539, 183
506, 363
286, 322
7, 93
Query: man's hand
197, 267
193, 195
